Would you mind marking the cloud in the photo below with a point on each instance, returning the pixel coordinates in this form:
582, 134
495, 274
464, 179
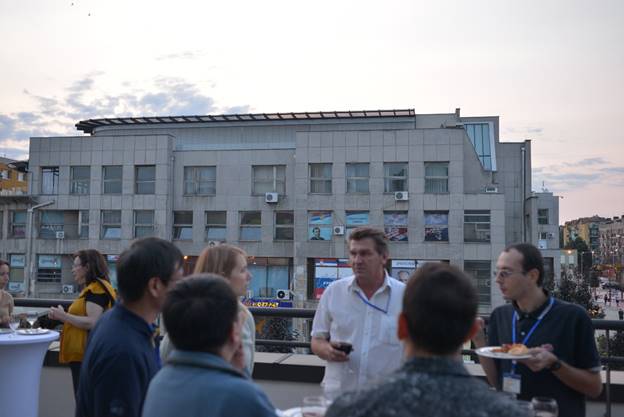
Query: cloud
524, 130
578, 175
190, 55
57, 115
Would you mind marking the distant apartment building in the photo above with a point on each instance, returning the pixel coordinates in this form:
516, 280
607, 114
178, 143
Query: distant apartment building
288, 188
543, 213
13, 177
586, 228
612, 247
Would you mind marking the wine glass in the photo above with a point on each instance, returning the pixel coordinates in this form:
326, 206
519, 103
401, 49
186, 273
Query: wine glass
32, 317
14, 323
544, 407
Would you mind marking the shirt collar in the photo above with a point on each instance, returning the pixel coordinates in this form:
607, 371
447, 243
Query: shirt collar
436, 365
135, 321
202, 360
535, 313
353, 286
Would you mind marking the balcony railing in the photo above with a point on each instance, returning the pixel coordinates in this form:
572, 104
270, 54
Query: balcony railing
607, 326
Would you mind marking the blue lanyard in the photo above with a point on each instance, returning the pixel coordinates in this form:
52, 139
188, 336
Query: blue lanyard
368, 303
526, 338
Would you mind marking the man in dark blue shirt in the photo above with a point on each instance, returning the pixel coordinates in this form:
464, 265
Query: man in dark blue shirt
120, 359
565, 363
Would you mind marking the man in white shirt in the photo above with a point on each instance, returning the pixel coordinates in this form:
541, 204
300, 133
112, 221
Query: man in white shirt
361, 310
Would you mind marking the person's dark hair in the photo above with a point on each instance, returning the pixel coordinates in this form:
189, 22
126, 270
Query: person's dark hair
144, 259
199, 313
378, 236
440, 306
95, 263
531, 259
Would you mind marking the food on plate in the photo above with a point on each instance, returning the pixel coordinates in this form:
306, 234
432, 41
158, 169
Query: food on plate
512, 349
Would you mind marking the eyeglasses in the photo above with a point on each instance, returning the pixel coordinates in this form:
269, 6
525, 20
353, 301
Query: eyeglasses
506, 273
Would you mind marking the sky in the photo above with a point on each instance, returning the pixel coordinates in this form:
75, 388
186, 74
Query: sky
552, 70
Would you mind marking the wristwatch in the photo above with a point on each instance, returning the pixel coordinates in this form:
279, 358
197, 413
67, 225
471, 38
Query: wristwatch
555, 366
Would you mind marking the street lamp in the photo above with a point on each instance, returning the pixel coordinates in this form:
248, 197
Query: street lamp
29, 256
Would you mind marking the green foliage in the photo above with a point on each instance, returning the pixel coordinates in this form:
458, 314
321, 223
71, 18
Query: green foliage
579, 293
616, 347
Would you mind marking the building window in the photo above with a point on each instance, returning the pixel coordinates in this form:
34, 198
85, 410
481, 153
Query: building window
542, 216
111, 179
320, 178
49, 268
4, 174
268, 179
80, 177
83, 224
20, 176
476, 225
145, 179
482, 139
51, 221
357, 178
355, 219
436, 177
143, 223
395, 226
395, 177
284, 225
250, 225
215, 226
436, 226
320, 225
111, 224
481, 273
200, 180
49, 180
269, 275
18, 263
17, 227
183, 225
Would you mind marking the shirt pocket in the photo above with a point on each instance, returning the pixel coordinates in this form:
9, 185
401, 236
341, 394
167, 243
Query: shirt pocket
389, 327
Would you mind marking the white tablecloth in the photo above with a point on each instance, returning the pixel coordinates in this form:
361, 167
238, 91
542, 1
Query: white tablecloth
21, 360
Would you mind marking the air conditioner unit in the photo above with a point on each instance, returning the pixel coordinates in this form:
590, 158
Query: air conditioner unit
67, 289
401, 196
491, 189
271, 197
282, 294
60, 235
339, 230
212, 243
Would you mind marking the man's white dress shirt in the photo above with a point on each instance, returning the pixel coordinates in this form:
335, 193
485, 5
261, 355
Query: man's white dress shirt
345, 314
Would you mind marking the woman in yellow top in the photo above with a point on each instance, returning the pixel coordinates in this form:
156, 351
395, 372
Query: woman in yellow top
6, 300
91, 272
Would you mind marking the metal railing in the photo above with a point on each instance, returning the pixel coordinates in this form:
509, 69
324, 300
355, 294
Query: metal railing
306, 313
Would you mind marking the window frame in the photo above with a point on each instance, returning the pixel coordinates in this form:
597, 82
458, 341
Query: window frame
178, 226
284, 226
388, 179
83, 221
148, 227
111, 181
104, 226
215, 226
476, 232
276, 181
317, 180
435, 226
80, 186
195, 181
249, 226
55, 172
485, 280
436, 177
55, 273
48, 230
138, 183
388, 227
356, 179
321, 224
542, 219
13, 224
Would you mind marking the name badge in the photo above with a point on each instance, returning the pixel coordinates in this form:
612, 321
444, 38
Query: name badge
511, 383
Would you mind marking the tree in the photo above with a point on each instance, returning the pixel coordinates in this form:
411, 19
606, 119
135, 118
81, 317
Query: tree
616, 347
578, 292
584, 255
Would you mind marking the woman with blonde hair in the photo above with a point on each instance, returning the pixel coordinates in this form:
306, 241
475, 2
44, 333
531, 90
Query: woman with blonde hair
231, 263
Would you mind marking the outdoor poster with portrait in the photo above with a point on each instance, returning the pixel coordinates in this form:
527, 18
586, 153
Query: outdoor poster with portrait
357, 219
326, 271
320, 225
395, 226
436, 227
402, 269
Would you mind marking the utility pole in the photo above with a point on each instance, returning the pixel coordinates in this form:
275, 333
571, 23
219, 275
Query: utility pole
29, 247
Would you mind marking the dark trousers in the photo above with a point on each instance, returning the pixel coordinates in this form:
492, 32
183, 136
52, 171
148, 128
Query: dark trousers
75, 371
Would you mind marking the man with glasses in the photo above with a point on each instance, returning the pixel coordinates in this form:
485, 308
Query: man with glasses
564, 362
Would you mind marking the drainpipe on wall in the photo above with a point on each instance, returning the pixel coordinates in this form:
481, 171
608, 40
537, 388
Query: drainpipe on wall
29, 255
524, 226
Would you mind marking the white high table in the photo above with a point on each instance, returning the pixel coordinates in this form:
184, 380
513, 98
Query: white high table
21, 360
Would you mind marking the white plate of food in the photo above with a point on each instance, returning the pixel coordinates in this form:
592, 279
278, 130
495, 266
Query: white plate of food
507, 351
32, 332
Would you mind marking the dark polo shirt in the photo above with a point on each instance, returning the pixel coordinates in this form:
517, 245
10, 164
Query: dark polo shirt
117, 367
568, 328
